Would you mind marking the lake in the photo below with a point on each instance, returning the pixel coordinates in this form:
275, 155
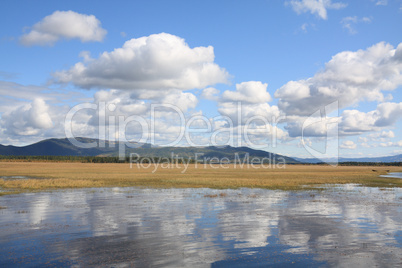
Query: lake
346, 226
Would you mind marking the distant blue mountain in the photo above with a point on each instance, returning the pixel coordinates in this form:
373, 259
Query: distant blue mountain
63, 147
383, 159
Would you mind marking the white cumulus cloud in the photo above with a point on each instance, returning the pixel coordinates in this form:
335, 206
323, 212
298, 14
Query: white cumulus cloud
350, 122
388, 113
247, 102
260, 113
349, 77
210, 93
348, 145
357, 122
382, 135
158, 61
29, 119
248, 92
64, 25
391, 144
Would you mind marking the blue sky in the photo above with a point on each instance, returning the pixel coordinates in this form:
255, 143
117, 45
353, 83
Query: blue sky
275, 59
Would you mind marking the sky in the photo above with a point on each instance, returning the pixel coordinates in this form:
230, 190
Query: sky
305, 78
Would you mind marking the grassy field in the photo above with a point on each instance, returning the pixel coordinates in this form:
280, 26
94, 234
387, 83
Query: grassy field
53, 175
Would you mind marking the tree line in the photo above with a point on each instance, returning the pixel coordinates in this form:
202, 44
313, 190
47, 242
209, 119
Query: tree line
56, 158
89, 159
377, 164
116, 159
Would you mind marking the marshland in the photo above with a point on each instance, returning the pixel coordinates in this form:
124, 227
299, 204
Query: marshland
59, 175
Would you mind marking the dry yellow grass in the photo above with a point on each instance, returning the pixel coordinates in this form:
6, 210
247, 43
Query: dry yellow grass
51, 175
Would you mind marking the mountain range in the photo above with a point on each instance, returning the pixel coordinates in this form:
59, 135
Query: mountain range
381, 159
63, 147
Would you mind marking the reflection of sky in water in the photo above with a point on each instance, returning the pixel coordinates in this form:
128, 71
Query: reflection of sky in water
393, 175
345, 226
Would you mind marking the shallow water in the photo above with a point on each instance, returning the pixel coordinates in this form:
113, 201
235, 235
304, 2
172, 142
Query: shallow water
345, 226
16, 177
393, 175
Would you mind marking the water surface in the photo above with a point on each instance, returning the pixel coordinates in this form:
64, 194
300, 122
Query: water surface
393, 175
345, 226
